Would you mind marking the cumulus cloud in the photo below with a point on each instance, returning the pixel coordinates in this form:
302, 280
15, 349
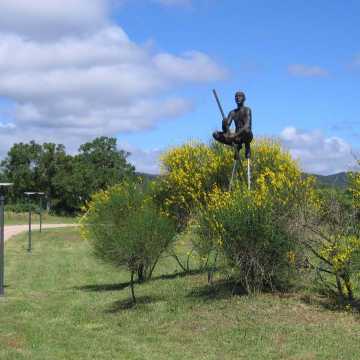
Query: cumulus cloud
146, 161
51, 19
72, 74
307, 71
317, 153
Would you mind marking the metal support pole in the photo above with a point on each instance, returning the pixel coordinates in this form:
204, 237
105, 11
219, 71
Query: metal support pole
2, 245
232, 174
249, 174
29, 244
40, 213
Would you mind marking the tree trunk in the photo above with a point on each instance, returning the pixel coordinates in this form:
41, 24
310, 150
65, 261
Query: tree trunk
349, 288
179, 262
132, 286
141, 275
339, 287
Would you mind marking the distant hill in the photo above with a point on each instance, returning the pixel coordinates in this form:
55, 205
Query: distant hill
146, 176
336, 180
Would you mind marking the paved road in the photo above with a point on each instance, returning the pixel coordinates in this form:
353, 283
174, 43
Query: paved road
12, 230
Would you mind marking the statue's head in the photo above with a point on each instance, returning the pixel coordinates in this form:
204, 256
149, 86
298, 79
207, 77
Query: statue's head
240, 98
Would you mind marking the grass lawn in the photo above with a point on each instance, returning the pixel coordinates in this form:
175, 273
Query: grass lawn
62, 304
12, 218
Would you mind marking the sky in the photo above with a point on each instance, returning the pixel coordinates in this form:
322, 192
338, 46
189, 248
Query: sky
143, 71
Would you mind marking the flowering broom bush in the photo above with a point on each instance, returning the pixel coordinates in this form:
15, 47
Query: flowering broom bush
252, 237
194, 190
190, 173
354, 188
332, 234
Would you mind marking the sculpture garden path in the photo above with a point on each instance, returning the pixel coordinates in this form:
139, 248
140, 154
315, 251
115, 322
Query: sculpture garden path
12, 230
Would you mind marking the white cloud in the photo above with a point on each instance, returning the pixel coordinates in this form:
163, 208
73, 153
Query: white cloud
192, 66
47, 19
307, 71
146, 161
85, 83
317, 153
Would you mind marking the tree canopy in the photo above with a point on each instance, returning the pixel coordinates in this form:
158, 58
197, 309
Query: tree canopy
68, 180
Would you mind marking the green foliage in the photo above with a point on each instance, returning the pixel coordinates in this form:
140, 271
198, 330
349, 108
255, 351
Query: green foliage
247, 229
331, 232
67, 180
253, 238
79, 309
22, 207
126, 230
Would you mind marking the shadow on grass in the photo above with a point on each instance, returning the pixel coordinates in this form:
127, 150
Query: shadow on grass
221, 289
332, 304
178, 274
104, 287
128, 304
121, 286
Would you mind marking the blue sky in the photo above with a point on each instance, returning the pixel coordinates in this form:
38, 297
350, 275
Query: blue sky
299, 64
257, 41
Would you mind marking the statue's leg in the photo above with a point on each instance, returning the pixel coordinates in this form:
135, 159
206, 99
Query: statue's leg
222, 137
247, 150
244, 137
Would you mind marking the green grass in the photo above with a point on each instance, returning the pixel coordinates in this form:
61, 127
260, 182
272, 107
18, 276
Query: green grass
12, 218
62, 304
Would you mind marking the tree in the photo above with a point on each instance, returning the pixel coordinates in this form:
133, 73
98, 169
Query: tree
68, 181
21, 168
97, 166
102, 164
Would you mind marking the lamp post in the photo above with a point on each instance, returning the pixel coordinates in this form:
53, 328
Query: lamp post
2, 236
29, 194
41, 194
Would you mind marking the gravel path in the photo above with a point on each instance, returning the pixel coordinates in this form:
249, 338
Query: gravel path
12, 230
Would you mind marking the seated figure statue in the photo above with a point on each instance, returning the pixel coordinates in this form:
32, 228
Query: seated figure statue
243, 121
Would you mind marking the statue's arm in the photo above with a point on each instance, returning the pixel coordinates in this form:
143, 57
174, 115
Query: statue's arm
249, 122
227, 122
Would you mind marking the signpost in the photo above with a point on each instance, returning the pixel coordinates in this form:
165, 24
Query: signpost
2, 236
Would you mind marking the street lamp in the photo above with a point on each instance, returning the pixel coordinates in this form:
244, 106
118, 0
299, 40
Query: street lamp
29, 194
41, 194
3, 186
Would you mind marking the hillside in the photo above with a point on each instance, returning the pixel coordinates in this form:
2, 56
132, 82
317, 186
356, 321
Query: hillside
336, 180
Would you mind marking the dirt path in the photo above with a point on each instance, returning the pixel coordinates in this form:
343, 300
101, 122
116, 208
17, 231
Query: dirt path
12, 230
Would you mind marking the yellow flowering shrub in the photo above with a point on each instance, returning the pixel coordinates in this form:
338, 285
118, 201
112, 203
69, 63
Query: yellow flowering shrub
192, 171
332, 234
189, 171
253, 238
339, 253
354, 187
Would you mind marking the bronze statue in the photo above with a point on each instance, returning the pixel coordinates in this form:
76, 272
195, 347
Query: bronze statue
243, 122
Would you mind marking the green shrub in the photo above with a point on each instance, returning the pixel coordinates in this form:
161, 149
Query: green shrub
253, 238
331, 233
22, 207
126, 229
